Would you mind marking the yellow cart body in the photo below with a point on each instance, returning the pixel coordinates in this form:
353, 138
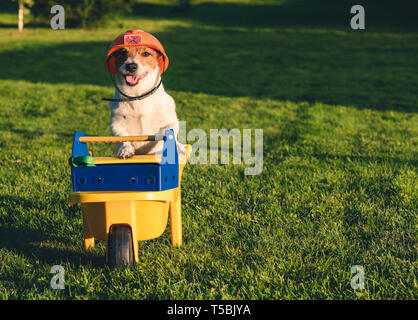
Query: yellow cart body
145, 212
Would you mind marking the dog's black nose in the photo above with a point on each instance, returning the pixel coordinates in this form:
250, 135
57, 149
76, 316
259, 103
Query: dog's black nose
131, 67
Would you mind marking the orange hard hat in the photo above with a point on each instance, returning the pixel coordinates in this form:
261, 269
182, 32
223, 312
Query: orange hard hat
135, 38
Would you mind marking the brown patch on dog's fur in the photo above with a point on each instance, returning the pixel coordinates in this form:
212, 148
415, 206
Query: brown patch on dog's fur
139, 53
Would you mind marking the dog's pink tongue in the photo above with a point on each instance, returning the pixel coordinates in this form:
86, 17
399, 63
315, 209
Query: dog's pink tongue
132, 79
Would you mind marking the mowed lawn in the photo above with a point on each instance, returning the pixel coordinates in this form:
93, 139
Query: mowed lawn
338, 109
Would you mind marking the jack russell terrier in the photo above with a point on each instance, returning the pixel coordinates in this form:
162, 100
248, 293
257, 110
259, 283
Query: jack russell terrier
140, 105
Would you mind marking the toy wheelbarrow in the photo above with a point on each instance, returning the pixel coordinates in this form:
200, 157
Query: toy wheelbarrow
127, 200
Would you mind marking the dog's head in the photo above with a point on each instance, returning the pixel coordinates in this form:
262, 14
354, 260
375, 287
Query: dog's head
136, 57
135, 64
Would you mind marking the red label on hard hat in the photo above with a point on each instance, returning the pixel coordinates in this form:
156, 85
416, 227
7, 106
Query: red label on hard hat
132, 39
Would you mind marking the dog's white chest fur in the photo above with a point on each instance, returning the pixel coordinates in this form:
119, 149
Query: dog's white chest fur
148, 116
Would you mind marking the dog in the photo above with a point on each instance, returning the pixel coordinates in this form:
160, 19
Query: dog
140, 105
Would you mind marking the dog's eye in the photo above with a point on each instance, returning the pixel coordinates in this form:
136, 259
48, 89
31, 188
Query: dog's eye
146, 54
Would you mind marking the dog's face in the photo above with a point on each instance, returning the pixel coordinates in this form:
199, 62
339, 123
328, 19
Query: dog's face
135, 64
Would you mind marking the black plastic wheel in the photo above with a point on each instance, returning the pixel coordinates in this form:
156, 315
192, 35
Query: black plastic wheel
119, 247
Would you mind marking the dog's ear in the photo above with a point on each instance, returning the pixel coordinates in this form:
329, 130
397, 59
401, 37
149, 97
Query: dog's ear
115, 60
111, 65
121, 54
120, 57
160, 61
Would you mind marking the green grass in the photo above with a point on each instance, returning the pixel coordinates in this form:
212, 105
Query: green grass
339, 114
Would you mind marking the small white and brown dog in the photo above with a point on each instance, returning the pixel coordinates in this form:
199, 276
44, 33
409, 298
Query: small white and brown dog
140, 105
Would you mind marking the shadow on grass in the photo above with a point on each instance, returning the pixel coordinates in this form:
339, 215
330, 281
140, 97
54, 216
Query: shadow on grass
72, 63
42, 244
29, 134
381, 14
25, 242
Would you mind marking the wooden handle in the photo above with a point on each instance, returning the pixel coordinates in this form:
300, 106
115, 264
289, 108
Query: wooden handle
118, 139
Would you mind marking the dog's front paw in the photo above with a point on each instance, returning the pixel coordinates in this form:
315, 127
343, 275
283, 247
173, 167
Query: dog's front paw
181, 148
126, 151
